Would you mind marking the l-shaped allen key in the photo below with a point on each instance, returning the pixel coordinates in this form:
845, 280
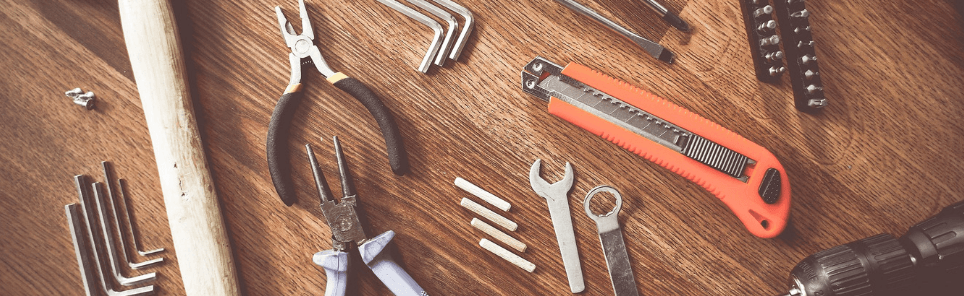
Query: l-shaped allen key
440, 46
433, 48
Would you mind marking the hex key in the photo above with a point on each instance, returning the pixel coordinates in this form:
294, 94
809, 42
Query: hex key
88, 212
108, 173
436, 42
466, 29
109, 243
453, 26
122, 189
80, 248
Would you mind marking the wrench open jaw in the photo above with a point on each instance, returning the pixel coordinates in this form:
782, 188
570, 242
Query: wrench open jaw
546, 190
557, 196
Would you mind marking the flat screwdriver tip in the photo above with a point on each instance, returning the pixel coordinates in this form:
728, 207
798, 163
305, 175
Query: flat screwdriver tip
666, 56
676, 22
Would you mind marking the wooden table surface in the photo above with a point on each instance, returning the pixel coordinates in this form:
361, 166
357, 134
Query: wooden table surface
885, 154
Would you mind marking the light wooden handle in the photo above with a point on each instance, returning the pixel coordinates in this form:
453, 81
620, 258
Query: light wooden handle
197, 228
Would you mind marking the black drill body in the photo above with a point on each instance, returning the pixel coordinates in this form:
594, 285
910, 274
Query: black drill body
927, 260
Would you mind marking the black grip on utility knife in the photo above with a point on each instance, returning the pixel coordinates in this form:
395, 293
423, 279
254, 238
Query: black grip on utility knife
397, 157
279, 161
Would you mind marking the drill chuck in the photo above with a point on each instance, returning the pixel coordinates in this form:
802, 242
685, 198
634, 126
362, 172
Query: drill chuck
927, 260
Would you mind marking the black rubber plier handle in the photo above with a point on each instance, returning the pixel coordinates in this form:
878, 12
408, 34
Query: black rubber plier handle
302, 47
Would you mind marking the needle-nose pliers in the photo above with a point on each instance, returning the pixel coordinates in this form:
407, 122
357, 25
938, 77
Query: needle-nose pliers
347, 231
303, 49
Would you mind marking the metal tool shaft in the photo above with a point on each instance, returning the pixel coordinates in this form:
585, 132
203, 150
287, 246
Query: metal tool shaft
653, 48
617, 261
613, 245
565, 236
557, 196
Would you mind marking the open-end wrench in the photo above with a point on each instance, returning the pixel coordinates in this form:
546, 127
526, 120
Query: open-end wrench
613, 245
557, 195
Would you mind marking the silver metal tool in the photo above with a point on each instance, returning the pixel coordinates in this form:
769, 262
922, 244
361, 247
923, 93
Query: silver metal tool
80, 248
302, 46
109, 244
653, 48
433, 48
304, 51
122, 190
613, 245
105, 283
466, 28
557, 195
453, 27
669, 17
108, 180
346, 230
81, 98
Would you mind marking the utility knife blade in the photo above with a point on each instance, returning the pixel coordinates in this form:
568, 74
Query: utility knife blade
744, 175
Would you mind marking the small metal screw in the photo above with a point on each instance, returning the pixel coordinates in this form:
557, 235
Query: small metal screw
772, 40
767, 26
803, 14
766, 10
82, 99
817, 103
775, 71
537, 67
774, 56
811, 89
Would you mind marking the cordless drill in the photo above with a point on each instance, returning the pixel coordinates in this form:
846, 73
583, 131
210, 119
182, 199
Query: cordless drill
927, 260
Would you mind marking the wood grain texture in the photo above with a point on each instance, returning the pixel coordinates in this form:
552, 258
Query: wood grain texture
885, 154
193, 210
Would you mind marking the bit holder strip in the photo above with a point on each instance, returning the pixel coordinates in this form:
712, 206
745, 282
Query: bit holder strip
801, 56
761, 31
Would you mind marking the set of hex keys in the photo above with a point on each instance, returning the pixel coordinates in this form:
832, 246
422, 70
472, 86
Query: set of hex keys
498, 220
100, 241
798, 48
442, 46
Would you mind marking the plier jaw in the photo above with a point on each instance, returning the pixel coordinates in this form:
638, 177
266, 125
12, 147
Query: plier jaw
345, 228
341, 215
302, 45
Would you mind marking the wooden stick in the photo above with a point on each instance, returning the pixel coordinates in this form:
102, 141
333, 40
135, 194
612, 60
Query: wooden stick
481, 193
508, 256
488, 214
498, 234
197, 228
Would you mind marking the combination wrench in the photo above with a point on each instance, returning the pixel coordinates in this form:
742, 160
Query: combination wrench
557, 195
613, 245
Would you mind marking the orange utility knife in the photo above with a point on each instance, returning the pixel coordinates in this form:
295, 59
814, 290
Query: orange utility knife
742, 174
